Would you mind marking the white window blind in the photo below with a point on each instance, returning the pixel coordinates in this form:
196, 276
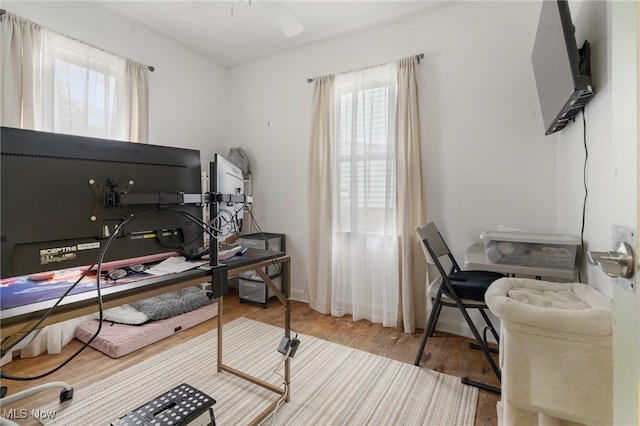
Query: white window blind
365, 163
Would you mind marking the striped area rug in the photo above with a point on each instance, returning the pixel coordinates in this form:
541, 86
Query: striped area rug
330, 385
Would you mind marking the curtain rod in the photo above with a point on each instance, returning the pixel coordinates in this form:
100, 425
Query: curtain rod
418, 57
151, 68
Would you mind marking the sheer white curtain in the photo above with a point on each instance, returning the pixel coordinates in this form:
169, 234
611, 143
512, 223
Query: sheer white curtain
90, 92
366, 196
365, 242
58, 84
53, 83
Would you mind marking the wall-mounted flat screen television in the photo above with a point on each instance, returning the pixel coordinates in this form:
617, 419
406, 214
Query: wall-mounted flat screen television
562, 71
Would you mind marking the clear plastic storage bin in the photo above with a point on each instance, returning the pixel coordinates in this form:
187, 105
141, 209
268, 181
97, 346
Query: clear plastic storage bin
257, 290
523, 248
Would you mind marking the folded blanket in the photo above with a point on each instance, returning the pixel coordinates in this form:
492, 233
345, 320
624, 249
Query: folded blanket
160, 307
173, 303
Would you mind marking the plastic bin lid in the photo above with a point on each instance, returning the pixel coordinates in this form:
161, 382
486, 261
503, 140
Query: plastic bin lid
529, 237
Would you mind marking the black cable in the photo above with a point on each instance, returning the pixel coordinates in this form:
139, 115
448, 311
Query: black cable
221, 224
46, 314
99, 260
201, 223
100, 311
586, 193
60, 299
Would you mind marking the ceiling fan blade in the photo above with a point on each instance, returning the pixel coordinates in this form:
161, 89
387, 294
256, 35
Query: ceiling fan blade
196, 11
284, 17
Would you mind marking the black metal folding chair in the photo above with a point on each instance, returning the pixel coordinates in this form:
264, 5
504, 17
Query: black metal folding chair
457, 288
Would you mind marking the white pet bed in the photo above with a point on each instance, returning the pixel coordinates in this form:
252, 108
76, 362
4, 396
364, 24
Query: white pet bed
555, 352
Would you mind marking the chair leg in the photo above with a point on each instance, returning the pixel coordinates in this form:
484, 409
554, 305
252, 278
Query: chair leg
430, 327
485, 351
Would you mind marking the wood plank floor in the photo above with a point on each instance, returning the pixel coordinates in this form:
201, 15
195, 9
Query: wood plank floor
445, 353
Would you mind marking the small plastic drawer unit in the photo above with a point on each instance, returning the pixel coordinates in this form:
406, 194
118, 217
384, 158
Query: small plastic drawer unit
251, 288
523, 248
265, 241
255, 290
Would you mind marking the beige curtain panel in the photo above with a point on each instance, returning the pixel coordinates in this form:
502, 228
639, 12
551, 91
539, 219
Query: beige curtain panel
21, 44
320, 211
411, 199
137, 101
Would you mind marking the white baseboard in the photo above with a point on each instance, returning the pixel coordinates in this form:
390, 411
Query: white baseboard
298, 295
460, 328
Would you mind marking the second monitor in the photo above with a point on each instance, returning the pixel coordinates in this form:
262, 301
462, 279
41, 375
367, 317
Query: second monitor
227, 181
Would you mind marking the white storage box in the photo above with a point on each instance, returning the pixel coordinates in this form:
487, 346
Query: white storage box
523, 248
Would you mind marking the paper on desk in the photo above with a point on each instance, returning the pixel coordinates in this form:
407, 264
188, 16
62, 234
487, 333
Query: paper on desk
173, 265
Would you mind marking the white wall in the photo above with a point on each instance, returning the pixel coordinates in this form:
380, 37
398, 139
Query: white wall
188, 92
590, 20
486, 158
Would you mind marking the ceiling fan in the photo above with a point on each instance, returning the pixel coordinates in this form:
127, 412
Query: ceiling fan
280, 11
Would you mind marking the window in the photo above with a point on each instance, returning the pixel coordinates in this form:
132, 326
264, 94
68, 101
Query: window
365, 242
365, 151
84, 83
57, 84
367, 197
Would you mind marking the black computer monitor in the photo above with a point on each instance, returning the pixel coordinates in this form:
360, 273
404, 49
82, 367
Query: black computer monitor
59, 200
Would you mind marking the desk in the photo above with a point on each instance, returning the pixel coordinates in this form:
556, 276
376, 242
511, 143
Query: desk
17, 321
237, 266
474, 258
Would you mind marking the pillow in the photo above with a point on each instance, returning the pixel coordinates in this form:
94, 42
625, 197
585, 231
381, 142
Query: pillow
125, 314
173, 303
